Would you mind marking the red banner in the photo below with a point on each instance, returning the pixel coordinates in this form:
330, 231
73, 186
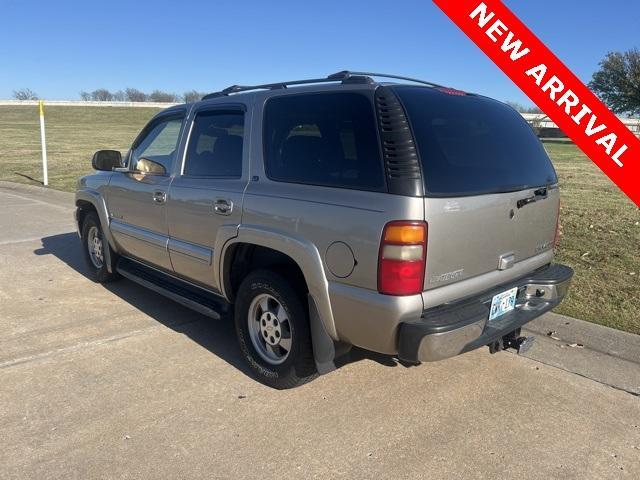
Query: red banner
551, 85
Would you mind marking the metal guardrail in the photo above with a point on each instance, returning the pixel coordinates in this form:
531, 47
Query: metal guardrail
84, 103
540, 120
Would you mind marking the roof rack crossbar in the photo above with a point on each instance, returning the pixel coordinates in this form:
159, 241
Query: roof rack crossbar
344, 76
347, 73
267, 86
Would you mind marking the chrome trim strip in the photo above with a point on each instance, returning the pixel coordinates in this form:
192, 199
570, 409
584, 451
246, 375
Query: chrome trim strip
147, 236
194, 252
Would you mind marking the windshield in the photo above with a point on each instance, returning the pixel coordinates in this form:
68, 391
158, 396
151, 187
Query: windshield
472, 145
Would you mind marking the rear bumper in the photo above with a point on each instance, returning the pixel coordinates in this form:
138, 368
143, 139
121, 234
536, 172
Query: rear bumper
458, 327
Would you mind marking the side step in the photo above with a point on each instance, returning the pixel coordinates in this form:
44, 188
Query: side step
195, 298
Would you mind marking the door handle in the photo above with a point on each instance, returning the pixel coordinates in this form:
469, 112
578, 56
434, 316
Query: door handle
223, 206
539, 194
159, 196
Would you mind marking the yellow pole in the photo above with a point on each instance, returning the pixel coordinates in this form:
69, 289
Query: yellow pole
43, 141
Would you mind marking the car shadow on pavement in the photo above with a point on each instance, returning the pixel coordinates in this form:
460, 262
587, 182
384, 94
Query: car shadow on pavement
217, 336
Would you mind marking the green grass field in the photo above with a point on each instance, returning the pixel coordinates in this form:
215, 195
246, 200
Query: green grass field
600, 225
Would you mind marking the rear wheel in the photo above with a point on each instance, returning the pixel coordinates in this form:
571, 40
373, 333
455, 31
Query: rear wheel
272, 327
93, 247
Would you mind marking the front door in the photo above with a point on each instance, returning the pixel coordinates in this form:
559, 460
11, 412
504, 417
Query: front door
207, 193
136, 199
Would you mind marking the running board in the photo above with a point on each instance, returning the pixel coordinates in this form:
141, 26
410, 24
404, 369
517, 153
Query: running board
190, 296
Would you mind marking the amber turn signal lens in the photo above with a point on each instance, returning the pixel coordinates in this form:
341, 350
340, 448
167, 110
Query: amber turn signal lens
405, 234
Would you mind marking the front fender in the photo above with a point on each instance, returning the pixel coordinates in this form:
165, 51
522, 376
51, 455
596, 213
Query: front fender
94, 198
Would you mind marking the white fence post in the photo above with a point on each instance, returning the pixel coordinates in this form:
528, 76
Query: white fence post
43, 141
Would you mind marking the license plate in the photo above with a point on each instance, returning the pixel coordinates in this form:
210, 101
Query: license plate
502, 303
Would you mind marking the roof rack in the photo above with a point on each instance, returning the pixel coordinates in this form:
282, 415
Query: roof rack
345, 76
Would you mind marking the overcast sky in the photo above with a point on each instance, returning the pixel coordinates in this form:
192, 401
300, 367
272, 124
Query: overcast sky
58, 48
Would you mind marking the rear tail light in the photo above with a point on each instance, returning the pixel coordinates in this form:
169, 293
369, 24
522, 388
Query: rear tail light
402, 259
556, 237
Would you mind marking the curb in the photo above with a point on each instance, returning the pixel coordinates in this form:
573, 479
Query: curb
602, 354
59, 197
623, 345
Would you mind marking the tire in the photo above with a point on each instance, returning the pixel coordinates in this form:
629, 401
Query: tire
272, 326
96, 261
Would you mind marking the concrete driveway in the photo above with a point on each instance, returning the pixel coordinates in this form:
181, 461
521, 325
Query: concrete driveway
118, 382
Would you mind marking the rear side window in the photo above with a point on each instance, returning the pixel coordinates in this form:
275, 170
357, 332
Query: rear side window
323, 139
471, 145
215, 145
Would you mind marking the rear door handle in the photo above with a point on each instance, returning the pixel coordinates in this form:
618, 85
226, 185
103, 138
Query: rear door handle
159, 196
223, 206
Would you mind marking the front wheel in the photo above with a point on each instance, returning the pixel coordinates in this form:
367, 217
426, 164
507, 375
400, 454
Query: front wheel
272, 327
93, 247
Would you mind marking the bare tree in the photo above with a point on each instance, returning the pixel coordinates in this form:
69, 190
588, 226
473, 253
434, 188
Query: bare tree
522, 109
192, 96
25, 94
135, 95
118, 96
86, 96
160, 96
101, 95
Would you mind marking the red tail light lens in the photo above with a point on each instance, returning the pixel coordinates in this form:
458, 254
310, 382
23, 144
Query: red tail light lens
402, 259
556, 237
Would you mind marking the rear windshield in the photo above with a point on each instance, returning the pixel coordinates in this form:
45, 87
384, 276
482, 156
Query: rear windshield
471, 145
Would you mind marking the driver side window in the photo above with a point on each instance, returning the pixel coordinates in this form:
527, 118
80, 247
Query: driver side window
155, 152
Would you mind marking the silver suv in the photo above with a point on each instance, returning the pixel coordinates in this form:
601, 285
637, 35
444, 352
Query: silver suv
408, 219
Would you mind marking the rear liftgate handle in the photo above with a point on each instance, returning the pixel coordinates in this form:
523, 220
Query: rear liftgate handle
539, 194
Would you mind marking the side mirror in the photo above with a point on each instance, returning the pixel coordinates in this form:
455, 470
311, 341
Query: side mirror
106, 160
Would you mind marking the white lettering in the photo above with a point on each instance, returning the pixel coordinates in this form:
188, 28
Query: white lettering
554, 85
569, 99
589, 130
484, 18
616, 156
516, 53
608, 142
538, 73
578, 118
497, 27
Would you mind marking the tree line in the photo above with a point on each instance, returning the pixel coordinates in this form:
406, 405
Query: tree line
135, 95
617, 83
126, 95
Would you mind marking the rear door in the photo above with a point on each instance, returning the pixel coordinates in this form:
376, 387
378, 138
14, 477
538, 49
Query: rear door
492, 197
207, 192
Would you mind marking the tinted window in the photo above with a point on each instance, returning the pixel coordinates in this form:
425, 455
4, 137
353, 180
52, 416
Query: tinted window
473, 145
215, 145
323, 139
155, 152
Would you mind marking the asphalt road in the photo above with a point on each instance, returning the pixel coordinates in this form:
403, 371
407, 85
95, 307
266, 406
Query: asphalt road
118, 382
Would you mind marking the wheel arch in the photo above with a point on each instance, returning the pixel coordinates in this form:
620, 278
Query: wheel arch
90, 201
296, 251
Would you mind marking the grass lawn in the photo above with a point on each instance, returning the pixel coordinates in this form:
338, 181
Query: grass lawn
73, 136
600, 225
